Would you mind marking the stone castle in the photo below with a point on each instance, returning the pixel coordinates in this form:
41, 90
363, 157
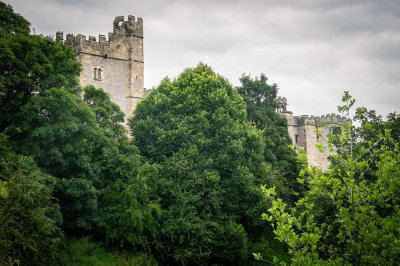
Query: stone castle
116, 66
302, 131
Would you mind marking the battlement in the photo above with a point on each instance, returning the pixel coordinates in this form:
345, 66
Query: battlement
332, 119
282, 105
130, 27
281, 100
121, 28
115, 64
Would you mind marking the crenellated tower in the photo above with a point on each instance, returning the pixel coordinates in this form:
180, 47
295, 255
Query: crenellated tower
302, 130
116, 64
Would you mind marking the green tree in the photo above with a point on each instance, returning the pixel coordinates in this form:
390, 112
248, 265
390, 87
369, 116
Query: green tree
364, 226
128, 209
29, 65
261, 106
97, 175
59, 131
108, 114
210, 165
11, 22
373, 124
29, 218
74, 142
129, 214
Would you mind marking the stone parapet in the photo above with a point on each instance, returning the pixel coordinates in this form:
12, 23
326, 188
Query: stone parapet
104, 47
281, 100
115, 65
329, 119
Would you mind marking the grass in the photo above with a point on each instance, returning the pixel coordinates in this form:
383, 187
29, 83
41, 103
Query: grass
84, 251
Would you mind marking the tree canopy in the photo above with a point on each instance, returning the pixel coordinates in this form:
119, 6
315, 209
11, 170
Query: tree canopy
261, 106
30, 220
361, 224
185, 187
29, 64
211, 163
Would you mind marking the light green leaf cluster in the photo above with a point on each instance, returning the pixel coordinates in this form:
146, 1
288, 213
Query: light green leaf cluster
360, 191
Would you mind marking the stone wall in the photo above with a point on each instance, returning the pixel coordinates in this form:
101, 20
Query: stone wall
302, 130
115, 65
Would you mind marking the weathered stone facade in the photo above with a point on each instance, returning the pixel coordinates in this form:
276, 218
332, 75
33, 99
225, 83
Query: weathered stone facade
115, 65
302, 130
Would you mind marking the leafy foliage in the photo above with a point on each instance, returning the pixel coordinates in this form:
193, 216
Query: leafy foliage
130, 215
30, 65
364, 226
108, 114
29, 219
75, 142
261, 105
372, 125
85, 251
97, 176
211, 162
11, 22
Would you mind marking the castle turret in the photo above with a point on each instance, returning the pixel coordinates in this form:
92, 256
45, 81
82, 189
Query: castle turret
302, 130
115, 65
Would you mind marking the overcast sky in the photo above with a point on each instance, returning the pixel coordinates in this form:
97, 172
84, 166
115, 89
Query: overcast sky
314, 50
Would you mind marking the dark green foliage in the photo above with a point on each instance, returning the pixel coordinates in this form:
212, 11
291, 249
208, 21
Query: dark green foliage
268, 248
66, 137
108, 114
211, 163
29, 218
10, 22
86, 252
372, 125
29, 65
97, 175
393, 124
129, 214
230, 244
261, 105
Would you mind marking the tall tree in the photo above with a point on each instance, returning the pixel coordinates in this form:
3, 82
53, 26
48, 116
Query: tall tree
76, 140
11, 22
29, 64
261, 106
363, 226
211, 164
29, 217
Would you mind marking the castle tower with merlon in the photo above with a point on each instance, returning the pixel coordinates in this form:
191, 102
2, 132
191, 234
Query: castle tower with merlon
302, 130
116, 64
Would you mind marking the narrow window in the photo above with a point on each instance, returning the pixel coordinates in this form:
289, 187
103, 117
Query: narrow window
99, 75
296, 138
95, 73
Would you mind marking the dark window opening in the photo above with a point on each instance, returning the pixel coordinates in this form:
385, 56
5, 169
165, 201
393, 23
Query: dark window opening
95, 73
296, 138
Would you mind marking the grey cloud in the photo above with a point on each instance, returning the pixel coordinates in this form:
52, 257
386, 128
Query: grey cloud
314, 50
